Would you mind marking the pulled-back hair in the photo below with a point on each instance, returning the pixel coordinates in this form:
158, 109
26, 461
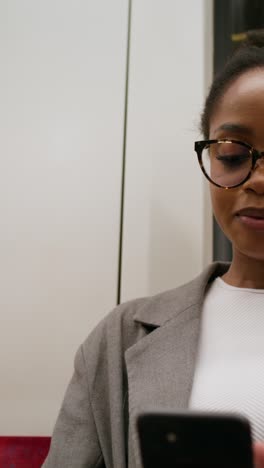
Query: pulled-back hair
247, 57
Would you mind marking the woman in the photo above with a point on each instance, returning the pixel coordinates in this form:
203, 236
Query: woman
200, 345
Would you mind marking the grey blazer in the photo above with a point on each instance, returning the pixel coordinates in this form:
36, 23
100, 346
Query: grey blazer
141, 355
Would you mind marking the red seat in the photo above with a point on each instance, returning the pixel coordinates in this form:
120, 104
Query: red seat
23, 452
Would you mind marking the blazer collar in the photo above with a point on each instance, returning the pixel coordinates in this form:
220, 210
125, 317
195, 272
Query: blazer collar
161, 308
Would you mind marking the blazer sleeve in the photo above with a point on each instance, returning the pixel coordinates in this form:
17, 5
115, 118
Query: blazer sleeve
75, 441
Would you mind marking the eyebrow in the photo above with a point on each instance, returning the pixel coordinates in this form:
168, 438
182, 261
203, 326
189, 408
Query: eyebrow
234, 128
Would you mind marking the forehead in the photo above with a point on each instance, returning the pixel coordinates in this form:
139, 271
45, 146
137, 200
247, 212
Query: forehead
242, 104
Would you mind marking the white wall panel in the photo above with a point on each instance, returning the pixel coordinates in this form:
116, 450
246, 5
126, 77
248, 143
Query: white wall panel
62, 102
165, 206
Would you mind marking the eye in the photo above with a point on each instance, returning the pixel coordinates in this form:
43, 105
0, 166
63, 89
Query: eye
229, 154
233, 160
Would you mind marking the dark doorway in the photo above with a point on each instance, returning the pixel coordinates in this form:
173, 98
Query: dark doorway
231, 18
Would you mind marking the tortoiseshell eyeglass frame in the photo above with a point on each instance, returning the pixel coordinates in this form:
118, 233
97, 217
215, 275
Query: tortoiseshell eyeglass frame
199, 146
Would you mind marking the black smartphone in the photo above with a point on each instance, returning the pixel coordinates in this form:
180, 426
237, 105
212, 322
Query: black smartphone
194, 440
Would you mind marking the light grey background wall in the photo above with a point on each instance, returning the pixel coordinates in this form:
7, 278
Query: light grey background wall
62, 88
167, 228
63, 78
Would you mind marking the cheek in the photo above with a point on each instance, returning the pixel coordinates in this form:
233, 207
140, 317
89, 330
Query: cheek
216, 199
222, 203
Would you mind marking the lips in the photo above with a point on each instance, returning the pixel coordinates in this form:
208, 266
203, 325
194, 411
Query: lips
251, 212
252, 218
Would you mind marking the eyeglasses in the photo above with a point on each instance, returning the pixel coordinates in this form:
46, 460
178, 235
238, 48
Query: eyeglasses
226, 163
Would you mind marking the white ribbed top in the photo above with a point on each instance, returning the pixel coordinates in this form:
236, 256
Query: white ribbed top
229, 374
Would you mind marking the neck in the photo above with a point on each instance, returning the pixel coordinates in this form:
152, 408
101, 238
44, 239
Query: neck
245, 272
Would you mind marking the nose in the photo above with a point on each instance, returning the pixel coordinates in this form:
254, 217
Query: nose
260, 160
256, 180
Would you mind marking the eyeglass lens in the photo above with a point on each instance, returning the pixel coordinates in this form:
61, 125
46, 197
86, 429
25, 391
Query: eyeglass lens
227, 163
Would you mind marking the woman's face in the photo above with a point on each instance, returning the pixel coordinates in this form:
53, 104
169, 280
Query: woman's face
240, 115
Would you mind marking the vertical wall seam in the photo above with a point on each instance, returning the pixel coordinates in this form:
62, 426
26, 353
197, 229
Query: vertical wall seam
121, 227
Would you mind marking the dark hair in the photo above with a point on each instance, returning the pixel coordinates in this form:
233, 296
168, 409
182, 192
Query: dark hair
247, 57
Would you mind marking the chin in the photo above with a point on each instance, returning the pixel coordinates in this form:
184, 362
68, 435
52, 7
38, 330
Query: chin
254, 252
256, 256
246, 242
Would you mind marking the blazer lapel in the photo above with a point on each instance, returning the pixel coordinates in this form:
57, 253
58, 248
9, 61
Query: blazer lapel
160, 372
160, 367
